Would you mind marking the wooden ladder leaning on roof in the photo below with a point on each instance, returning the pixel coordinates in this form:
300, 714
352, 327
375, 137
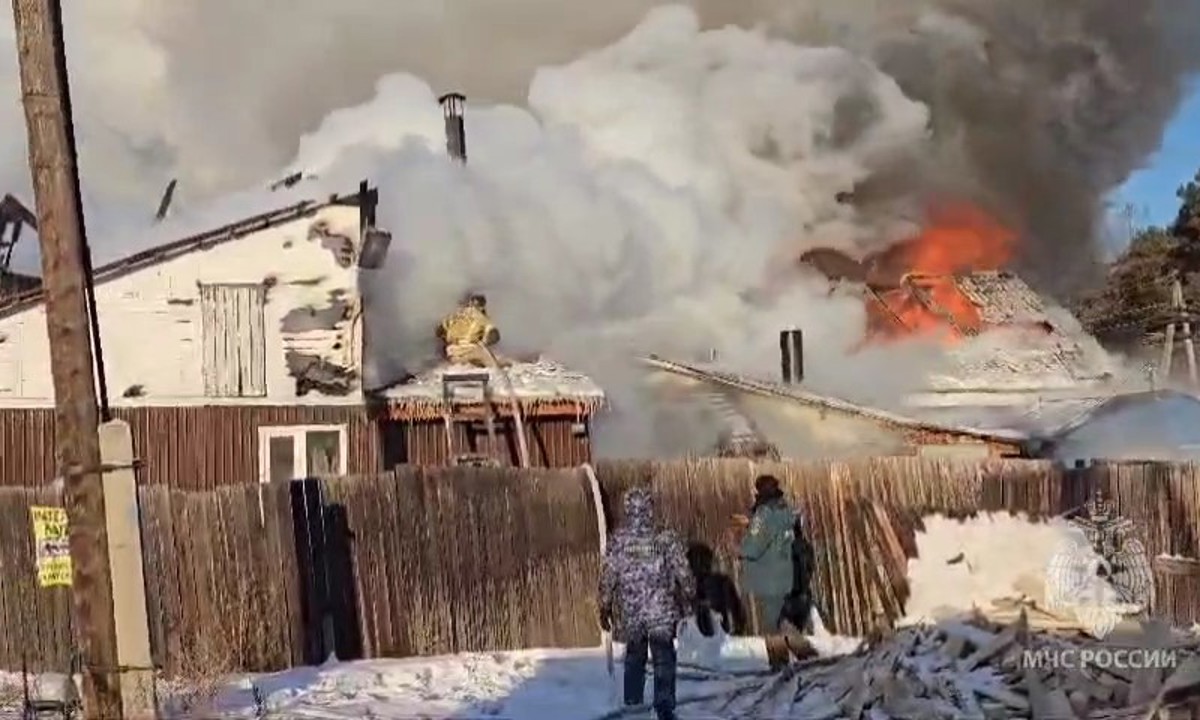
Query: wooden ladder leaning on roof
451, 417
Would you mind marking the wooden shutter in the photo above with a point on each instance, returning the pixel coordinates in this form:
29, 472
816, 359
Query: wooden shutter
234, 340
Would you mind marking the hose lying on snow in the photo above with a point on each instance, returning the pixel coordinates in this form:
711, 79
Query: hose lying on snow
602, 526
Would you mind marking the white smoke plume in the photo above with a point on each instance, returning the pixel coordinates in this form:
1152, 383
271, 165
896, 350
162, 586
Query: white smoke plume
629, 208
646, 196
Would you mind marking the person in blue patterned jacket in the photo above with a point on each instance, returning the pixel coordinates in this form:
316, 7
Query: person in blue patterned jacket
646, 587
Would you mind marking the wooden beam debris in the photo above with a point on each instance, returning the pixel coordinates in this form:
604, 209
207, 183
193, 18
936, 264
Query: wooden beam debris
977, 669
164, 203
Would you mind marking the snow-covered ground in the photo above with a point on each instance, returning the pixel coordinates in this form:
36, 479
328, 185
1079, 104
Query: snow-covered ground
566, 684
561, 684
961, 565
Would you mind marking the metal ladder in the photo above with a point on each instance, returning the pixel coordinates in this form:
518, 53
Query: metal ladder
450, 418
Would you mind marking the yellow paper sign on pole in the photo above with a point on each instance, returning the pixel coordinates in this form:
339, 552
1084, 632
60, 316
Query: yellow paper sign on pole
52, 548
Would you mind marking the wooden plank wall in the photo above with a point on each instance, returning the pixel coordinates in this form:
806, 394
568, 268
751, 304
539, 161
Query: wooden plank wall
186, 447
552, 440
438, 560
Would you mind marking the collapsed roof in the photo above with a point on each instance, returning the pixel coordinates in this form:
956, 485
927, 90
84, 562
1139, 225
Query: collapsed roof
14, 217
1011, 339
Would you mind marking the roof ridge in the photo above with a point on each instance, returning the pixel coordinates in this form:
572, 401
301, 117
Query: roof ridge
183, 246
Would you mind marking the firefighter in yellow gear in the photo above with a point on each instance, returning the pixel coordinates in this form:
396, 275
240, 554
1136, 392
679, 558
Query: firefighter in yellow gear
463, 331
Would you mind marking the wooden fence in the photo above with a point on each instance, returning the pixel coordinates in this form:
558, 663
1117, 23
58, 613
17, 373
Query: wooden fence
430, 561
863, 516
35, 623
417, 562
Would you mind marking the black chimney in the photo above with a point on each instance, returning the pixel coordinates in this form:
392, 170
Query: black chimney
791, 355
456, 133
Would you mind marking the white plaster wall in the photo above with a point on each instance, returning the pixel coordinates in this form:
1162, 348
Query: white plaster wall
150, 320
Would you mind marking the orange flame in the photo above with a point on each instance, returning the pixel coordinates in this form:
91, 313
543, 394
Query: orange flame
957, 239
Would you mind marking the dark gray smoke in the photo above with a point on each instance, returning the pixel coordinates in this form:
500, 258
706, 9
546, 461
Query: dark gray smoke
1039, 108
652, 172
1047, 106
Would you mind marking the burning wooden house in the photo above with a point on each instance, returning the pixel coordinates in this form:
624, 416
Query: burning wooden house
1014, 365
1004, 342
1000, 336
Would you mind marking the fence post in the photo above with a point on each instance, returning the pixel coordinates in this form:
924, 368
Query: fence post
125, 557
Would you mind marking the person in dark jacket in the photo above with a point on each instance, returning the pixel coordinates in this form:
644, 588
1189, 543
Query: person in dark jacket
715, 593
766, 552
797, 608
645, 589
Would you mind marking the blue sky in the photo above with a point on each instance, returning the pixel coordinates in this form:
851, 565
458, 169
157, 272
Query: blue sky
1152, 190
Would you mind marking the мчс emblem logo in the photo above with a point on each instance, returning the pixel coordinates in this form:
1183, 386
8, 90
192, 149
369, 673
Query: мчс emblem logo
1101, 574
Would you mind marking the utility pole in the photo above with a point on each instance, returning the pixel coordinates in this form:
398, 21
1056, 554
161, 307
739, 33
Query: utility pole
52, 160
1189, 345
1181, 319
1168, 349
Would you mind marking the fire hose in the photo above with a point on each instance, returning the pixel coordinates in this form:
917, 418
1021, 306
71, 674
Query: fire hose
602, 525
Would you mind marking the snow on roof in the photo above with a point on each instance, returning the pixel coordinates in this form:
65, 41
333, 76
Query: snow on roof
710, 373
1036, 417
1002, 298
538, 387
1107, 406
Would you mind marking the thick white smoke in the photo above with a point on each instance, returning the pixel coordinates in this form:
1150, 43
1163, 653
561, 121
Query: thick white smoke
644, 197
630, 207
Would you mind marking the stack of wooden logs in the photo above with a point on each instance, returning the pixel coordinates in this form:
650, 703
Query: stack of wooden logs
978, 669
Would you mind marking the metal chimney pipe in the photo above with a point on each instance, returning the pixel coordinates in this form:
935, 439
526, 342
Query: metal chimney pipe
791, 356
453, 105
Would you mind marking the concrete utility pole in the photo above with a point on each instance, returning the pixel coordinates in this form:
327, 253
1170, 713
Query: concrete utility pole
47, 101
